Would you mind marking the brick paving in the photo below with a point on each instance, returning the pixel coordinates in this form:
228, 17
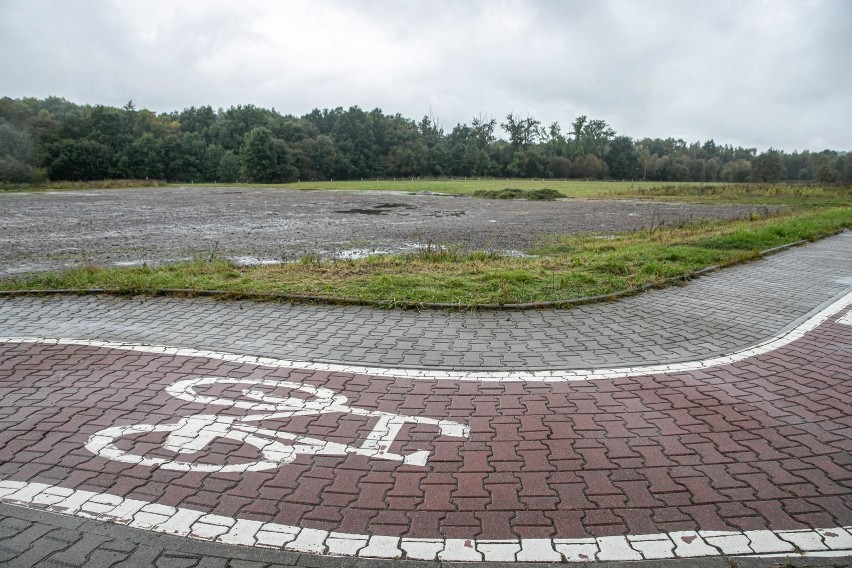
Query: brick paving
739, 458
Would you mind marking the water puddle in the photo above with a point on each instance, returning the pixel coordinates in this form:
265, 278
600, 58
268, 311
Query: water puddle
360, 253
146, 262
517, 254
392, 206
126, 263
359, 211
458, 213
380, 209
253, 261
436, 193
34, 266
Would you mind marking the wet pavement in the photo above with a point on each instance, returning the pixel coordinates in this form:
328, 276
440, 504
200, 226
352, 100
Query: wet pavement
116, 450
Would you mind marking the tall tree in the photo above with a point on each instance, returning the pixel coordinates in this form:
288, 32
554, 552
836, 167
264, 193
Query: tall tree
622, 158
259, 157
592, 136
768, 167
522, 131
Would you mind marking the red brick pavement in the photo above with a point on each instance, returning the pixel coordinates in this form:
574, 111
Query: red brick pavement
764, 443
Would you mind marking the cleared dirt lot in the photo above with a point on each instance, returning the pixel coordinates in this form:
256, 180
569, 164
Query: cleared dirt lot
44, 231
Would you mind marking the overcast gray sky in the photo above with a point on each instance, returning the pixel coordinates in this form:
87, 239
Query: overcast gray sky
756, 73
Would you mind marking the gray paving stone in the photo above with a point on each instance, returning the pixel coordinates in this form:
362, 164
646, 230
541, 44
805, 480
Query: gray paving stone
82, 546
246, 564
24, 540
177, 560
10, 526
142, 556
6, 556
213, 562
38, 550
102, 558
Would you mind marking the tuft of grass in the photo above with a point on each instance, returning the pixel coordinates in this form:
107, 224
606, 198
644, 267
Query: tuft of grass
566, 268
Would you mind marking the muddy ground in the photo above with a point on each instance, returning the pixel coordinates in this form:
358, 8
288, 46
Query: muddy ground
44, 231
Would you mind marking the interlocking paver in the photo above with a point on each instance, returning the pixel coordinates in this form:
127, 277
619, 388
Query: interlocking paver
703, 478
626, 468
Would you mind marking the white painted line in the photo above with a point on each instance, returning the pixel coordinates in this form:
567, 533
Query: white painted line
342, 544
459, 550
618, 548
421, 548
586, 549
764, 347
381, 547
537, 550
179, 521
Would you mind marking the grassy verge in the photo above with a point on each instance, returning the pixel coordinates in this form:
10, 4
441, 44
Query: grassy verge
80, 185
567, 268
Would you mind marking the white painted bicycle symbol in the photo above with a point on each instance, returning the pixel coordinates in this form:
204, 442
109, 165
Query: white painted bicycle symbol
193, 434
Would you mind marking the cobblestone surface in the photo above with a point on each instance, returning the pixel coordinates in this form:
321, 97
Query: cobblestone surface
637, 467
715, 314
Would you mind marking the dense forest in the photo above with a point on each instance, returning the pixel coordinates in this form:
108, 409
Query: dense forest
54, 139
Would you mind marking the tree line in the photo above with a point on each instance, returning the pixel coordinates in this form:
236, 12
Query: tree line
55, 139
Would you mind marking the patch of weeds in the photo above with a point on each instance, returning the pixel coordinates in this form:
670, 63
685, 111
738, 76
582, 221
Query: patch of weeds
484, 256
310, 259
542, 194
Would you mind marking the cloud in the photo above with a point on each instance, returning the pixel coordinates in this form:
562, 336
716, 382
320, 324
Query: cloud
753, 73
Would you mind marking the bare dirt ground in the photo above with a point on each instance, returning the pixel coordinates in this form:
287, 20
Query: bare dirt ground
46, 231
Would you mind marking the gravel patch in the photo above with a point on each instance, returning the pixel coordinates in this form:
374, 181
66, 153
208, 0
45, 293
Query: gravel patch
51, 230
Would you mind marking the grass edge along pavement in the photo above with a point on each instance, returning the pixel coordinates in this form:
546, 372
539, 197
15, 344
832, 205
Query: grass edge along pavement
569, 271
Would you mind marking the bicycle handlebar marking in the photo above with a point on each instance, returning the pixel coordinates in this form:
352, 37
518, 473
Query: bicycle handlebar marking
191, 434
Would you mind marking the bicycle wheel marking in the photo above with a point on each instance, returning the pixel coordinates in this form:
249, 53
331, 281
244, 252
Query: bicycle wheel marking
191, 434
